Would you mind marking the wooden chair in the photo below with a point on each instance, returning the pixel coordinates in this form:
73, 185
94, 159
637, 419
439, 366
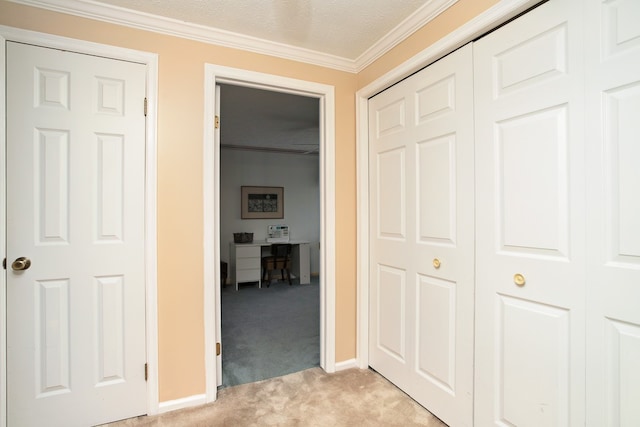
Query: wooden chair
280, 259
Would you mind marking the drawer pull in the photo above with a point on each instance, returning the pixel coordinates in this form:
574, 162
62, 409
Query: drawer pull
436, 263
518, 279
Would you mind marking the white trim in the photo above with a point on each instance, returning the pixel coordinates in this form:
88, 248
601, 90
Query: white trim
182, 403
218, 74
346, 364
151, 62
427, 13
3, 233
484, 22
158, 24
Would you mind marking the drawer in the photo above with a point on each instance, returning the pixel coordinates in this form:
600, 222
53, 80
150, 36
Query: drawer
247, 263
247, 252
252, 275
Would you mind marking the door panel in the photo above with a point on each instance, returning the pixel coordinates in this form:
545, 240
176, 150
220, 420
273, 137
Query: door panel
524, 143
392, 286
75, 199
421, 180
435, 337
436, 190
530, 256
535, 336
613, 214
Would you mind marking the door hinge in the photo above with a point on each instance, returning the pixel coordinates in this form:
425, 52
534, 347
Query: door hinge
4, 263
217, 349
146, 371
145, 106
217, 122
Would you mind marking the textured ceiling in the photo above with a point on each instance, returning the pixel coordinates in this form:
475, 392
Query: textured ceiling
344, 28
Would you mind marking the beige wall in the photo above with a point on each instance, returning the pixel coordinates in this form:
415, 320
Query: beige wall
180, 137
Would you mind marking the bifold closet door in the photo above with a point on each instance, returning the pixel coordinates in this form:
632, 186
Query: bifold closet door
613, 213
530, 245
421, 236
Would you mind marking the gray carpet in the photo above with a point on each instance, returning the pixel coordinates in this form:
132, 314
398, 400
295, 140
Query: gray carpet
269, 332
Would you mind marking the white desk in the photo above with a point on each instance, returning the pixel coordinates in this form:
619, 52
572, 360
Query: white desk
246, 261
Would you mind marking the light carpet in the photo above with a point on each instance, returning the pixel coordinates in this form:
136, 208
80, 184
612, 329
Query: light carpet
354, 397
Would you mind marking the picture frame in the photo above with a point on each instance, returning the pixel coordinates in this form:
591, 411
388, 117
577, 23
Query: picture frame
262, 202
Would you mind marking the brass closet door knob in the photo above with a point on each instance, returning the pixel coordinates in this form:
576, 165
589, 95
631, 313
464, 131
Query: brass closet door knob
519, 280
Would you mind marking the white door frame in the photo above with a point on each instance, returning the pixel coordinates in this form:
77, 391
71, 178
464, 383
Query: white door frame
151, 62
213, 75
491, 18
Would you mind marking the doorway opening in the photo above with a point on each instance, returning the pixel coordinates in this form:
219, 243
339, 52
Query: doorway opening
270, 141
213, 236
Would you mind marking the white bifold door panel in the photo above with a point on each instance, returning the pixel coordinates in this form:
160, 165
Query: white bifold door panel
553, 165
421, 259
530, 204
613, 212
75, 200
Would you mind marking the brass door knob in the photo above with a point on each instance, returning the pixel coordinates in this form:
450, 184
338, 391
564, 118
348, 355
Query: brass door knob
518, 279
436, 263
22, 263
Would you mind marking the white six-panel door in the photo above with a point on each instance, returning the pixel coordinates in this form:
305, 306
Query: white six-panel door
557, 307
612, 70
421, 259
75, 198
530, 203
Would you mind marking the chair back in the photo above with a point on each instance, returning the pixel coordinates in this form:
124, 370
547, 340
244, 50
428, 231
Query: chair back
281, 250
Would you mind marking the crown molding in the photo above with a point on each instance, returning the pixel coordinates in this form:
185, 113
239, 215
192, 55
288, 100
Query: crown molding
428, 12
173, 27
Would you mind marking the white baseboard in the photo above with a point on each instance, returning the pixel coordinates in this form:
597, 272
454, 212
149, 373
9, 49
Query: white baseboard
347, 364
185, 402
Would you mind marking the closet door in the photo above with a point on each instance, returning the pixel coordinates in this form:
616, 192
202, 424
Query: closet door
613, 214
421, 291
530, 253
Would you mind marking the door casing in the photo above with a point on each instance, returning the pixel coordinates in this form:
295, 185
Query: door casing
215, 74
151, 62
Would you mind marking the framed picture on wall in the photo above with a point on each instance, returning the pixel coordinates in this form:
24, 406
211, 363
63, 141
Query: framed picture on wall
262, 202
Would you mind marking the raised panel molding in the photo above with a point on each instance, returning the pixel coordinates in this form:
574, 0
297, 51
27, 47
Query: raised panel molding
391, 307
621, 130
391, 118
110, 96
53, 363
52, 181
52, 88
532, 353
436, 100
623, 375
436, 334
110, 188
534, 202
110, 324
436, 190
620, 26
391, 203
520, 67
